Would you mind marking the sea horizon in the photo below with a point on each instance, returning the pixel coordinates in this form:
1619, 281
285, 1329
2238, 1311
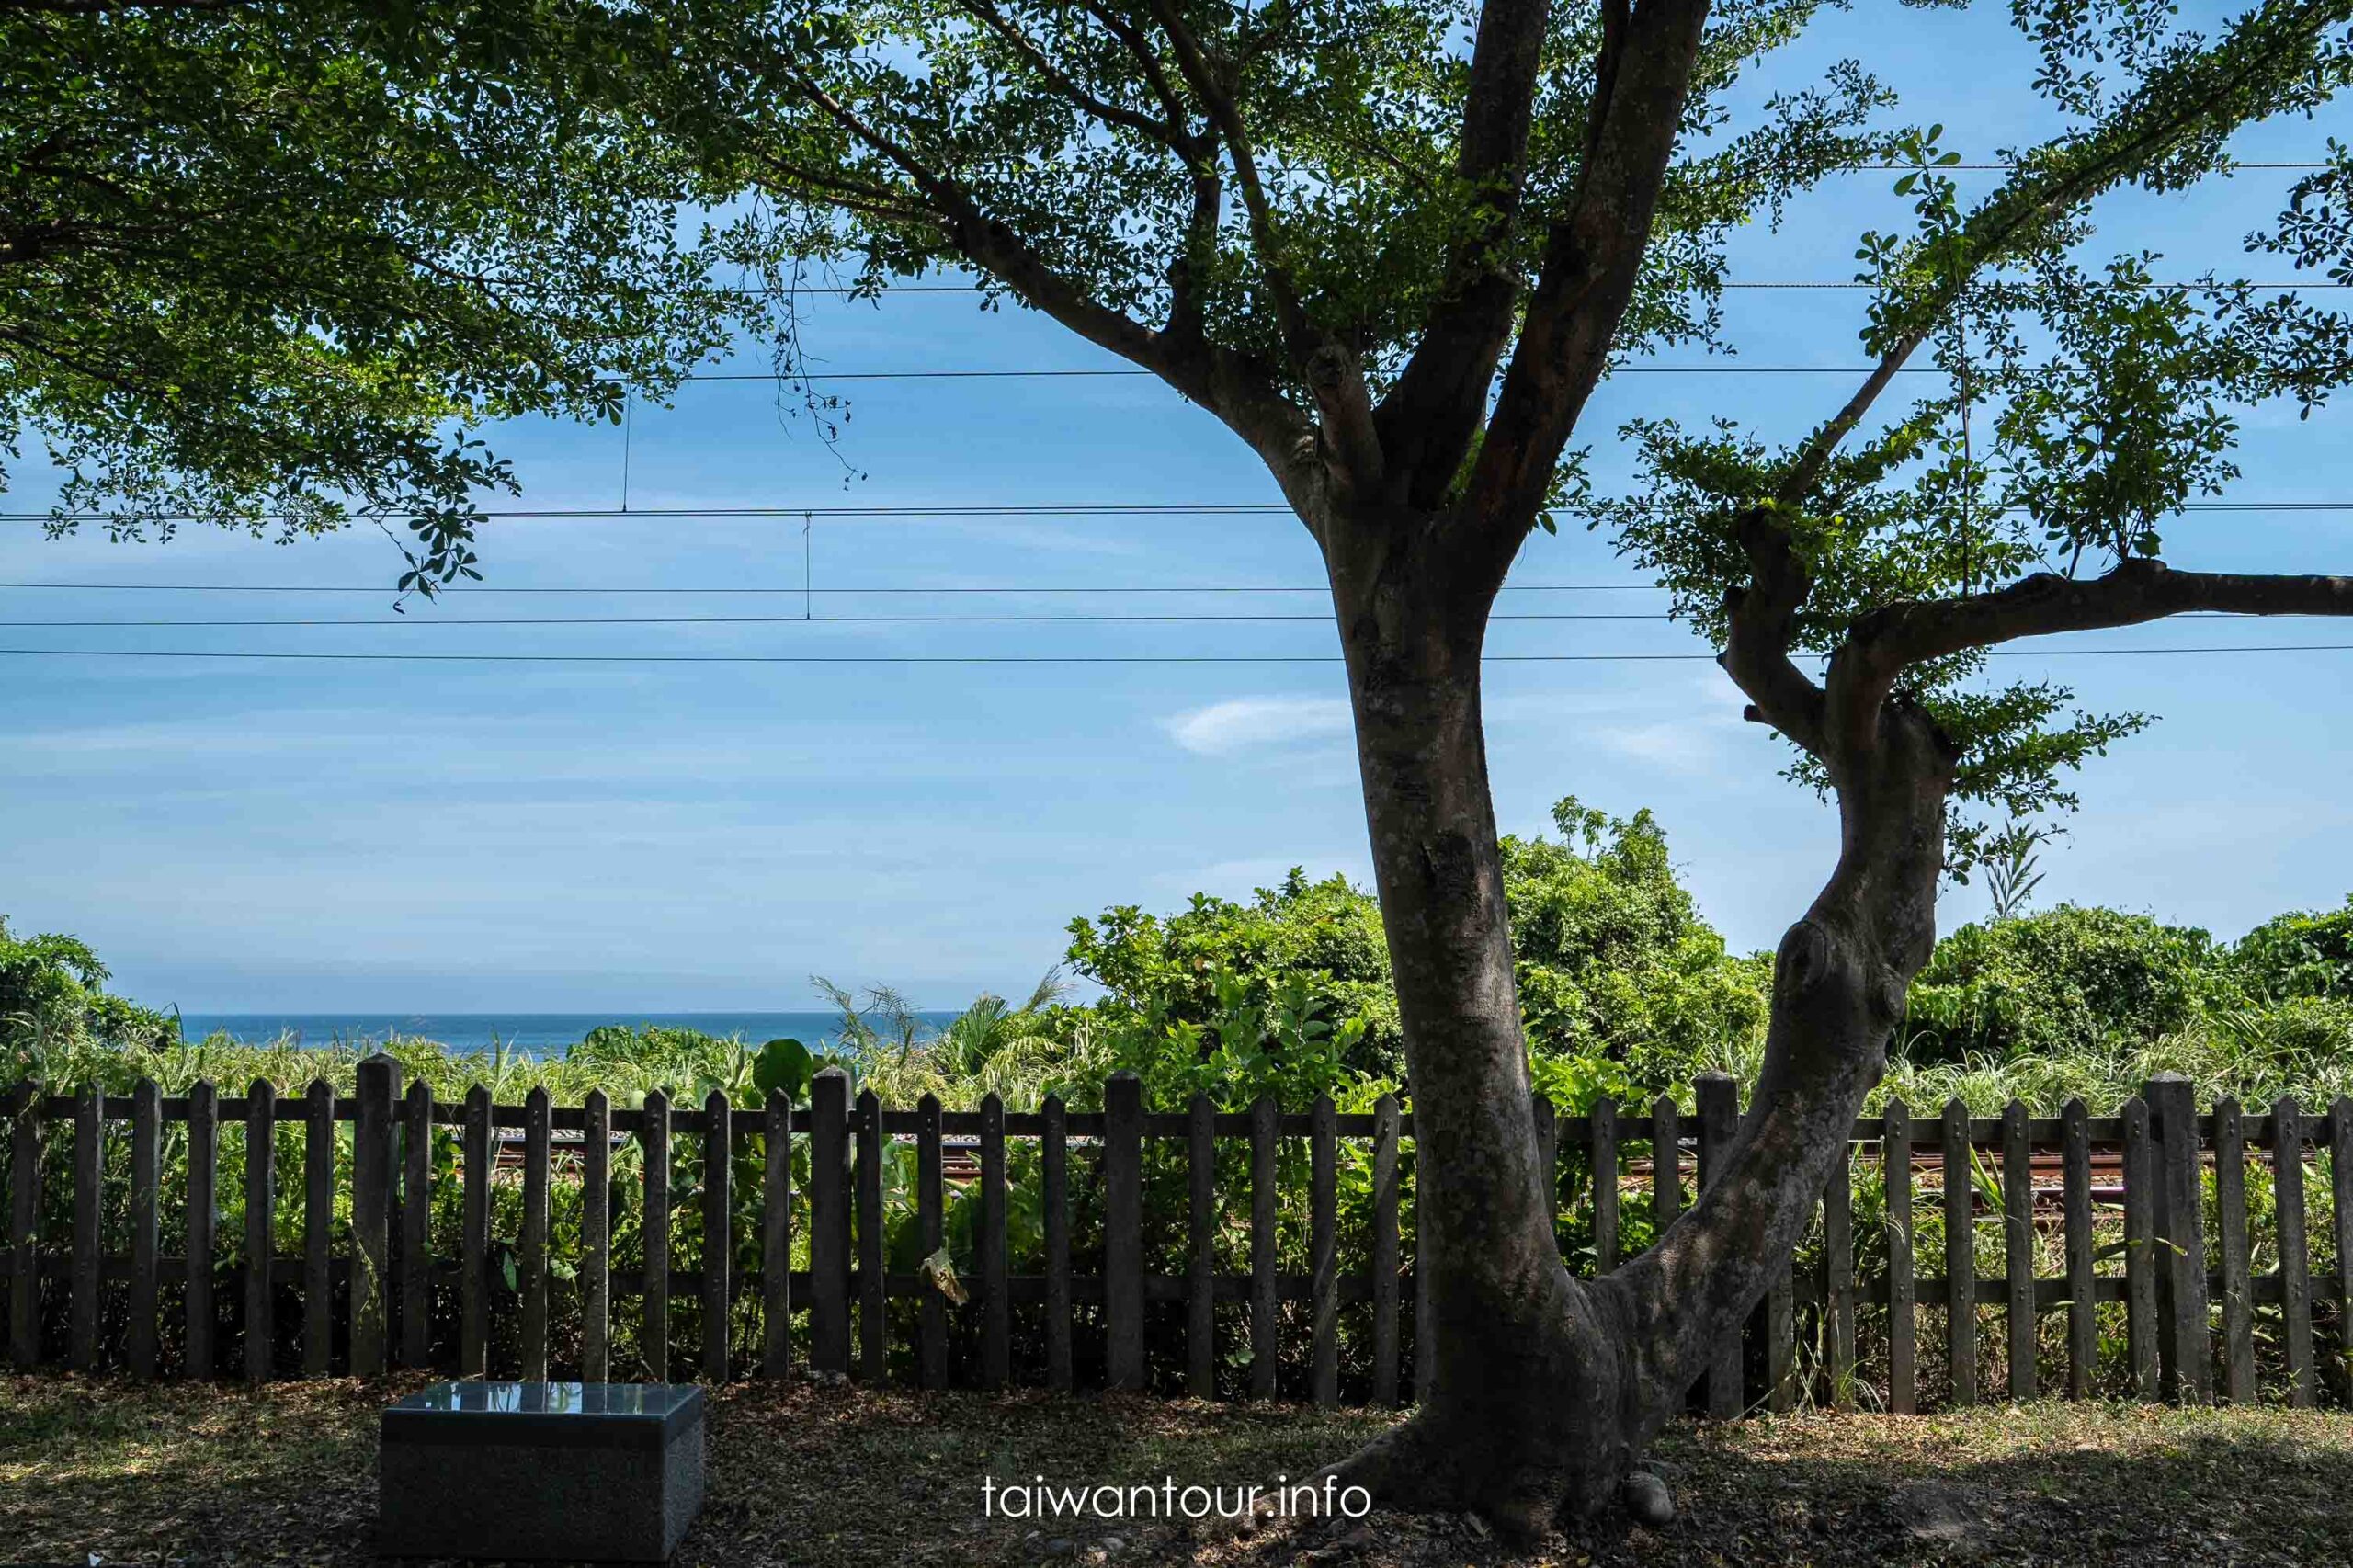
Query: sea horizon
533, 1033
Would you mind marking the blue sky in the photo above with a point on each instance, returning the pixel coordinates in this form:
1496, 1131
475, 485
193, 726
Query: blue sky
254, 835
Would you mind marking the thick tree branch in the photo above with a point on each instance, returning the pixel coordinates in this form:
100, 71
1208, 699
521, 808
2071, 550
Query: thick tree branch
1427, 422
1888, 641
1335, 376
2168, 112
1147, 59
1240, 392
1202, 77
1759, 618
1185, 275
1169, 134
825, 185
1592, 258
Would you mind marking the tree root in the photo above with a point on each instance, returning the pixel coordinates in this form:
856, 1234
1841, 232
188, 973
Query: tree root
1417, 1467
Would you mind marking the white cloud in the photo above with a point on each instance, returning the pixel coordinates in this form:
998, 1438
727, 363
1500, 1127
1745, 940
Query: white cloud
1704, 723
1685, 746
1222, 728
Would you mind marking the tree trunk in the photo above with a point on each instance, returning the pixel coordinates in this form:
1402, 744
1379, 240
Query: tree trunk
1545, 1388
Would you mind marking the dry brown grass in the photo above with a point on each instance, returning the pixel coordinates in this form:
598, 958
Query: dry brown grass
832, 1477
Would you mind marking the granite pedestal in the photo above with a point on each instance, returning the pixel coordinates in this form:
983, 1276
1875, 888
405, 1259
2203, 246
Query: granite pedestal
602, 1472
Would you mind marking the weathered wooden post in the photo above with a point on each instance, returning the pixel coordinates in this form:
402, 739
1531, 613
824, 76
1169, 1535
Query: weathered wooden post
2295, 1249
1054, 1162
474, 1244
1961, 1255
829, 1222
996, 1306
23, 1229
1718, 1107
318, 1228
873, 1283
596, 1237
261, 1247
1838, 1277
203, 1222
1123, 1231
2186, 1371
2018, 1249
776, 1237
531, 1249
1385, 1120
931, 1310
146, 1175
718, 1234
372, 1196
1264, 1349
2083, 1309
1323, 1253
416, 1225
1903, 1322
89, 1170
1200, 1310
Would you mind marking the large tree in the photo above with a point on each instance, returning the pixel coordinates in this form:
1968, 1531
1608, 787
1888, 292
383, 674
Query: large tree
266, 265
1394, 245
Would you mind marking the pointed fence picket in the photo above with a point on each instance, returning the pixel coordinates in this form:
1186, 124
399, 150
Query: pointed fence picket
1122, 1298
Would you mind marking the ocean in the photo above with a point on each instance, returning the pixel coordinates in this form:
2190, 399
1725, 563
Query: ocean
533, 1034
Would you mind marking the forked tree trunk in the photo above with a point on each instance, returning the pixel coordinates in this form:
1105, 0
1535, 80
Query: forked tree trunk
1546, 1389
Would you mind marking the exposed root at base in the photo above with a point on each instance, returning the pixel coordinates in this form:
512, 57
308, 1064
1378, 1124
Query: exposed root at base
1415, 1468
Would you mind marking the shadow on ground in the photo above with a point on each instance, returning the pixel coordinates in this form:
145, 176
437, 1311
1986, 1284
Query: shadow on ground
830, 1477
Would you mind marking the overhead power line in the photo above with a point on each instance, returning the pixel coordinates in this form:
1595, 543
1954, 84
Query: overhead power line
2188, 286
2171, 286
1324, 619
1055, 658
1130, 373
426, 622
796, 590
1114, 509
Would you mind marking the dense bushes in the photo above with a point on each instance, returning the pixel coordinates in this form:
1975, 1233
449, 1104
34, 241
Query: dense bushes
2067, 980
2089, 1003
53, 999
1201, 965
1626, 990
2300, 955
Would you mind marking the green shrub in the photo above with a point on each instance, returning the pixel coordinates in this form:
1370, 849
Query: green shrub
54, 1007
1199, 966
1623, 987
2065, 980
1625, 990
2298, 955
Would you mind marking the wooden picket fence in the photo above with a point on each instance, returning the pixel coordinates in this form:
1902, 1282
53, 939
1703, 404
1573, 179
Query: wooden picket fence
2183, 1316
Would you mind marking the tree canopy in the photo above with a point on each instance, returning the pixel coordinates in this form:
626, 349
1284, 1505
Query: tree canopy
271, 266
1395, 247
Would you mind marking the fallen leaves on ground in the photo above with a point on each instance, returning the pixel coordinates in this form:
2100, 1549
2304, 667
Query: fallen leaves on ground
822, 1475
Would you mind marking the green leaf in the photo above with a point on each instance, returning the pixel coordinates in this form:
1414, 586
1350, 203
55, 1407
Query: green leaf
783, 1067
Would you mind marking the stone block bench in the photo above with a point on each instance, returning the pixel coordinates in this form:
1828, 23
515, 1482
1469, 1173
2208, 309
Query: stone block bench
604, 1472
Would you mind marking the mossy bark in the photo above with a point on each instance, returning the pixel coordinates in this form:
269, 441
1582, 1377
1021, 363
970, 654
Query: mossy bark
1546, 1388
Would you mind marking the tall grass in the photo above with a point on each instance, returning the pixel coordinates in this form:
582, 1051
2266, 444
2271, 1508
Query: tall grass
2255, 1055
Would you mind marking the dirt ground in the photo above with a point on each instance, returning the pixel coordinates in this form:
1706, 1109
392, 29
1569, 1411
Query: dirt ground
829, 1476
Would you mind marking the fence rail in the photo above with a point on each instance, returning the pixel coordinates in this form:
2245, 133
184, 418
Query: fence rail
368, 1290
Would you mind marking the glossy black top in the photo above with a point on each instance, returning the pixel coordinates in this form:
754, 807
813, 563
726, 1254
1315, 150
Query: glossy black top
592, 1413
651, 1400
